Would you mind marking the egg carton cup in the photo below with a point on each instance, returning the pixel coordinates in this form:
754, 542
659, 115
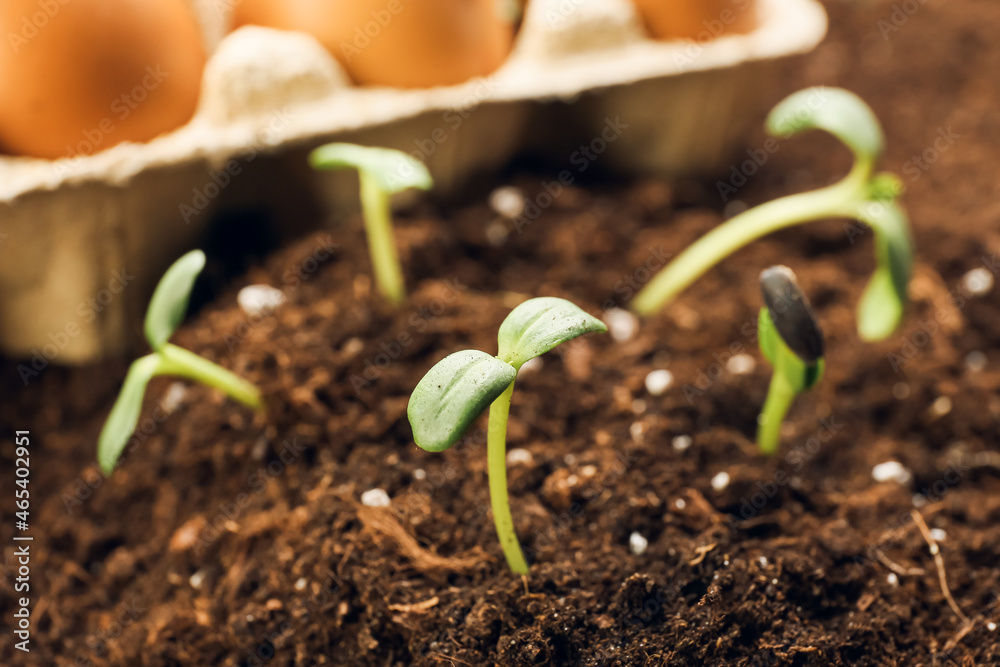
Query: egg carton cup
83, 240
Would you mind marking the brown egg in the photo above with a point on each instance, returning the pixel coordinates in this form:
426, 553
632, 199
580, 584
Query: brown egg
701, 20
402, 43
79, 76
268, 13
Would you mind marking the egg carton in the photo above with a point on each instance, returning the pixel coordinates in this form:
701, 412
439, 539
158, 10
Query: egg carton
83, 241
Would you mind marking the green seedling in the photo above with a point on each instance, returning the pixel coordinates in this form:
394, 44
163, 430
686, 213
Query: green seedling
166, 311
861, 195
792, 341
458, 388
382, 172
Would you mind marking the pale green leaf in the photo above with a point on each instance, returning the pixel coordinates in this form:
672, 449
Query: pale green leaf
884, 300
813, 374
452, 394
798, 374
880, 309
767, 336
392, 170
839, 112
893, 242
125, 413
170, 300
538, 325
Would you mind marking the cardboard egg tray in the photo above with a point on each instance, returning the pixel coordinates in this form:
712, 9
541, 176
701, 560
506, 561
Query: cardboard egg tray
84, 240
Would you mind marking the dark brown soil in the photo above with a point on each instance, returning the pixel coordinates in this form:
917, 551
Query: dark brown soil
230, 539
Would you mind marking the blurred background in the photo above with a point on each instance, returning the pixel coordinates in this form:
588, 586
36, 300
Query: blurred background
130, 136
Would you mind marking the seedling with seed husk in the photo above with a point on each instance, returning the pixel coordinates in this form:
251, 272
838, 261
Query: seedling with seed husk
790, 338
459, 387
382, 172
165, 313
861, 195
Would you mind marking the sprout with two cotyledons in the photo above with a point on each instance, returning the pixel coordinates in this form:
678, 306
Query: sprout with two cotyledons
861, 195
165, 313
382, 172
791, 340
459, 387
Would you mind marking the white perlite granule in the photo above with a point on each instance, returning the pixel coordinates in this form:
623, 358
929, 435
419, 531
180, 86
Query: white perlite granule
259, 299
375, 498
741, 364
659, 381
507, 201
518, 456
637, 544
978, 281
681, 442
891, 471
621, 324
720, 481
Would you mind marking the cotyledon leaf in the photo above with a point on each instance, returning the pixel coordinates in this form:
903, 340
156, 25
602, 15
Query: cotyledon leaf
767, 336
835, 110
799, 374
880, 309
169, 303
393, 170
125, 413
884, 299
538, 325
452, 394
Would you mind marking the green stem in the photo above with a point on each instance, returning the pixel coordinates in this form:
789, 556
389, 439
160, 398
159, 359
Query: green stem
496, 457
381, 245
840, 199
182, 363
780, 395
